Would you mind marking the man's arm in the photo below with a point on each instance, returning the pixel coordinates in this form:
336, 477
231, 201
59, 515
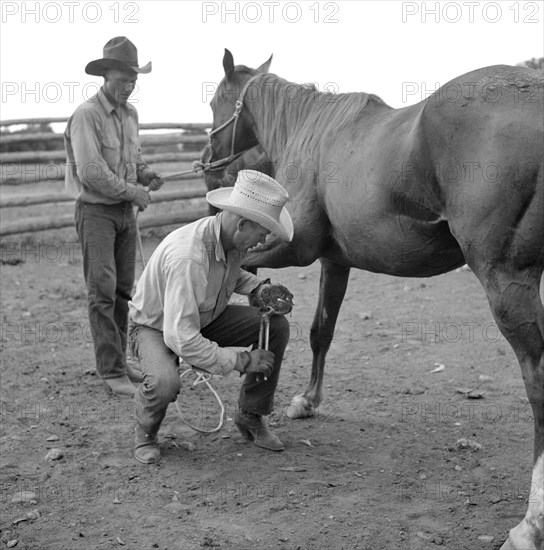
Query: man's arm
146, 175
185, 289
247, 282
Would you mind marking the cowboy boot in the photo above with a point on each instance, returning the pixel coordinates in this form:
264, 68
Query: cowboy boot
146, 446
253, 428
134, 374
120, 385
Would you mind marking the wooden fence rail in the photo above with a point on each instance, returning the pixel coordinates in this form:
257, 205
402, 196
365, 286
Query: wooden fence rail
145, 139
143, 125
67, 220
159, 196
58, 156
191, 134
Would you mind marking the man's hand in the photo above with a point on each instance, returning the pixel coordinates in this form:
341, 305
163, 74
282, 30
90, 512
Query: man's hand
261, 361
141, 200
154, 180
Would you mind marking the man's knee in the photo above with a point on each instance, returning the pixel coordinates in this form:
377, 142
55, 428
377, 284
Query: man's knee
163, 388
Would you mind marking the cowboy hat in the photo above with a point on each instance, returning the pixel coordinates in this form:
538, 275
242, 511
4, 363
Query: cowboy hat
258, 198
119, 53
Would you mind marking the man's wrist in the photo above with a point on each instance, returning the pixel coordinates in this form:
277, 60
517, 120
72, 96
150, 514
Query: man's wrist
242, 361
263, 282
145, 176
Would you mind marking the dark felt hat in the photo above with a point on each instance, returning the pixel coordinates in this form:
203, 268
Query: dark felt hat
119, 53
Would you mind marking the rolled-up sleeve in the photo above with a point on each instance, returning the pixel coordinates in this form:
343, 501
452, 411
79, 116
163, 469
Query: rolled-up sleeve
92, 169
246, 282
185, 288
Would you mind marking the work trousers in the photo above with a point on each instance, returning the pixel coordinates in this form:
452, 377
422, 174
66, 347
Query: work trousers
107, 234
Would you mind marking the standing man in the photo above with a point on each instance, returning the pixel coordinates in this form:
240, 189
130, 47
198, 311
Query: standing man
180, 309
106, 174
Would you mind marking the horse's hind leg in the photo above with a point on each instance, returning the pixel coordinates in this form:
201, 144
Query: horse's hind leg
519, 313
332, 288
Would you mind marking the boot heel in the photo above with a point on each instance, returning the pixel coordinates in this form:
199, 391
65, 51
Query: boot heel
246, 434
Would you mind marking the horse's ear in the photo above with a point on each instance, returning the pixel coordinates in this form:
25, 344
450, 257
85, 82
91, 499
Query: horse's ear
228, 63
265, 66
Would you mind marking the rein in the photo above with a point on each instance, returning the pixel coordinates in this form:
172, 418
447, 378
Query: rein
219, 164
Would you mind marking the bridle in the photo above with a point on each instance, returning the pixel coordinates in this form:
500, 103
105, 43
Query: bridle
221, 163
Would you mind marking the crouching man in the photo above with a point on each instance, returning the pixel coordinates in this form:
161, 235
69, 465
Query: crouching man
180, 309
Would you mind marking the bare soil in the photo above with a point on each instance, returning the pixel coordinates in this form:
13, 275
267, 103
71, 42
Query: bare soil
381, 466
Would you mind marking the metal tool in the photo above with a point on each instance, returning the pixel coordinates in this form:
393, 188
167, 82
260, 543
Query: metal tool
264, 329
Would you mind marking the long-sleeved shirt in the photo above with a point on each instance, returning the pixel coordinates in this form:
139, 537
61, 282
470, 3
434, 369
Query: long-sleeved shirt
186, 285
103, 153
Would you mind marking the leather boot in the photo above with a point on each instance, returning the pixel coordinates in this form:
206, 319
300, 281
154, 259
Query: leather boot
134, 374
253, 428
120, 385
146, 446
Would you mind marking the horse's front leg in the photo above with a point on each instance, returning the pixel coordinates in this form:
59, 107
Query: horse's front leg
332, 288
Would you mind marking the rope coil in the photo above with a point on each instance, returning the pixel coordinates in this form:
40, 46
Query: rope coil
202, 378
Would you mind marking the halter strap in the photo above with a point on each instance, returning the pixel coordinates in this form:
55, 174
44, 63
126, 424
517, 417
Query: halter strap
218, 164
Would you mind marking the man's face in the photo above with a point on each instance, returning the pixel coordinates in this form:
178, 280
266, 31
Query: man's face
248, 235
120, 84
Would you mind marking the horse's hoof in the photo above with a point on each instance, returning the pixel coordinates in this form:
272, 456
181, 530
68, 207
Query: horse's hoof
300, 407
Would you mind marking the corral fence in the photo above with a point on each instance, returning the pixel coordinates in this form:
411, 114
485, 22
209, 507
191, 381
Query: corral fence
35, 155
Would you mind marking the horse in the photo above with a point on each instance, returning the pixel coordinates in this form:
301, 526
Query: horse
413, 192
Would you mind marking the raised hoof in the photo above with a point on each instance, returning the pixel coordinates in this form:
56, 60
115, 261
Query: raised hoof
300, 407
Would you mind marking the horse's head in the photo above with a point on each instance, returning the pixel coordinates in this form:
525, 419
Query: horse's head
233, 130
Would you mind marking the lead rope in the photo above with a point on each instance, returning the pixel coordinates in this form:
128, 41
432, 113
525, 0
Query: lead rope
202, 378
139, 239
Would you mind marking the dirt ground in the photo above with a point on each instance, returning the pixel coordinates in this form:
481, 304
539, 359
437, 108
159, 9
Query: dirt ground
381, 466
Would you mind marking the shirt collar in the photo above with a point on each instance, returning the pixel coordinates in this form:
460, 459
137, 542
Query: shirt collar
109, 106
105, 102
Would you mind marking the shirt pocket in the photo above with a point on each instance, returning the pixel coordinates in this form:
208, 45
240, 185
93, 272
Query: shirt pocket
111, 151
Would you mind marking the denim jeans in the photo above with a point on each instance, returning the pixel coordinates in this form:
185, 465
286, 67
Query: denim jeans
107, 234
236, 326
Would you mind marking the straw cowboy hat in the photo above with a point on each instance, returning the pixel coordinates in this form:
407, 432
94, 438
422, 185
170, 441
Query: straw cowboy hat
119, 53
258, 198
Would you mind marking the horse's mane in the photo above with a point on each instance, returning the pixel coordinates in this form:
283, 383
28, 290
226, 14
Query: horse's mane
316, 114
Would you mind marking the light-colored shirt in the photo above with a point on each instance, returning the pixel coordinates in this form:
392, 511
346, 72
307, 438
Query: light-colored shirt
186, 285
103, 155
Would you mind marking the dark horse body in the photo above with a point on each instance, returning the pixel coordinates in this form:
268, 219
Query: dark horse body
416, 191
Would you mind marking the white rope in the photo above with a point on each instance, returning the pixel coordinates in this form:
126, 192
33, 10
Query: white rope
139, 239
202, 378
